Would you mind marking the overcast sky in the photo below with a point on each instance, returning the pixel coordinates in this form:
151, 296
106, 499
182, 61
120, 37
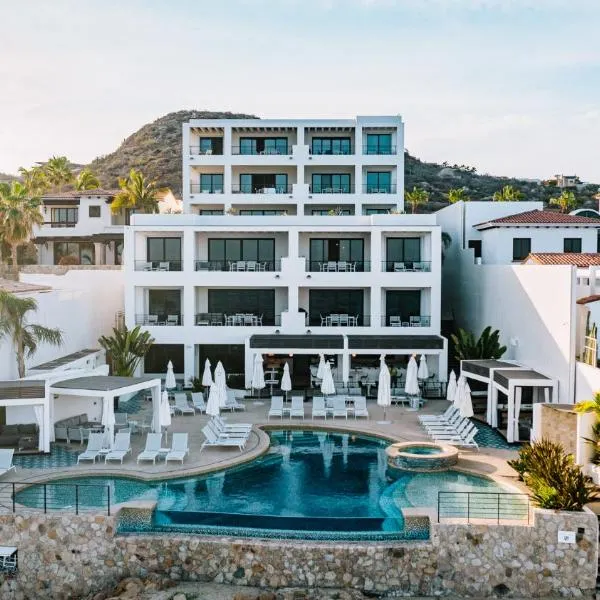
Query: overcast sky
511, 87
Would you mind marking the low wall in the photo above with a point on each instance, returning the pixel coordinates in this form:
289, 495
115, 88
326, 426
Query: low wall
559, 424
71, 556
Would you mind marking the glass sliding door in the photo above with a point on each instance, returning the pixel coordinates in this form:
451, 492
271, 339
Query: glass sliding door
260, 303
405, 251
164, 250
163, 303
335, 183
211, 183
323, 303
379, 143
402, 304
259, 183
324, 251
270, 145
379, 182
331, 145
223, 252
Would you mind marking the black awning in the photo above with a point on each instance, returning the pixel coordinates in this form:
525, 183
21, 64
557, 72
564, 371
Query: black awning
19, 390
483, 367
518, 376
64, 360
334, 342
396, 342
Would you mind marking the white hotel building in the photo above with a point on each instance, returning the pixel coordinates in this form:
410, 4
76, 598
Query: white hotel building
287, 248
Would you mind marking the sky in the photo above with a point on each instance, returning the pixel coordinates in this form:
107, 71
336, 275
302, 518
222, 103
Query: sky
511, 87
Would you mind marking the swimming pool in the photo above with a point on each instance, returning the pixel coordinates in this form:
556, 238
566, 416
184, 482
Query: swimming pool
309, 481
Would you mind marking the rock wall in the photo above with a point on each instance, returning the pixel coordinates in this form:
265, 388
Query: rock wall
71, 556
559, 425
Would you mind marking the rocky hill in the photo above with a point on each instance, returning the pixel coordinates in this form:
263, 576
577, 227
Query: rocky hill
156, 150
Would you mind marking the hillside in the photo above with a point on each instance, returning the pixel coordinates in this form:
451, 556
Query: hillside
156, 150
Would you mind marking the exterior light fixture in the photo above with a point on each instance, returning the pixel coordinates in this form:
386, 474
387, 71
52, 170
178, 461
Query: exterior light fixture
308, 331
277, 331
309, 277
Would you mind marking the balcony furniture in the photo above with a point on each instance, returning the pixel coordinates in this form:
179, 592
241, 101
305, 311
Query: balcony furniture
415, 321
172, 320
318, 407
251, 265
344, 320
333, 266
203, 320
334, 320
399, 267
147, 267
418, 266
182, 406
216, 319
338, 408
297, 408
163, 266
152, 319
395, 321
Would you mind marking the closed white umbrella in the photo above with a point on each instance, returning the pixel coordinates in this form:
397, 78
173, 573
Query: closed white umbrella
458, 396
170, 382
321, 367
466, 405
411, 386
108, 419
207, 379
423, 372
384, 391
451, 387
165, 411
221, 384
286, 380
258, 375
212, 406
327, 385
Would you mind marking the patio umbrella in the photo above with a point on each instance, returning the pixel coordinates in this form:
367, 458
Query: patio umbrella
258, 375
170, 382
451, 387
212, 406
411, 385
108, 420
165, 411
466, 405
207, 379
321, 367
460, 384
327, 385
423, 372
384, 392
286, 380
221, 384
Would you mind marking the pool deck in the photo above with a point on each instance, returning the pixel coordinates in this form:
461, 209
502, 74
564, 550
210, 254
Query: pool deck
404, 427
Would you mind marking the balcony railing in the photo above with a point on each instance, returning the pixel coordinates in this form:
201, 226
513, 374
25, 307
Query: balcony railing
331, 189
329, 152
150, 320
158, 265
236, 320
338, 266
247, 266
204, 188
404, 266
242, 188
379, 189
196, 150
405, 321
381, 150
60, 223
337, 319
243, 151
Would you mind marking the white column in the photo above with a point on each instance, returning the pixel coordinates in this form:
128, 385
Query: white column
156, 399
185, 172
494, 405
129, 259
189, 291
443, 362
189, 361
518, 392
248, 363
400, 166
376, 291
345, 366
227, 175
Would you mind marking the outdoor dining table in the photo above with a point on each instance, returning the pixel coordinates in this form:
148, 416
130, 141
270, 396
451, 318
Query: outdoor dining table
242, 319
341, 320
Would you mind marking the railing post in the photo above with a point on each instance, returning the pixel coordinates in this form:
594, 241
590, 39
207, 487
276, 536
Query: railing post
108, 499
438, 506
498, 511
468, 507
14, 497
45, 499
76, 498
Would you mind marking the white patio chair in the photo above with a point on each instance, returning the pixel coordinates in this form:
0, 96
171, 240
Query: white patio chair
344, 320
95, 444
181, 404
153, 445
360, 407
451, 423
323, 320
462, 429
179, 447
318, 407
212, 439
399, 267
342, 266
415, 321
339, 407
297, 408
122, 447
231, 403
240, 265
6, 458
198, 402
395, 321
251, 265
331, 265
451, 410
467, 433
224, 427
334, 320
121, 421
152, 319
276, 409
163, 266
172, 320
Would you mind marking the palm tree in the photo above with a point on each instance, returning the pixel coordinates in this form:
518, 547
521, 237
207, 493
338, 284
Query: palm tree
87, 180
457, 195
566, 201
466, 347
34, 180
58, 171
508, 194
26, 337
19, 213
417, 197
137, 193
126, 348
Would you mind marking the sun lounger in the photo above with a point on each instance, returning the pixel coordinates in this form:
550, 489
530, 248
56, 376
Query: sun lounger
122, 447
231, 403
450, 411
451, 431
95, 444
318, 407
181, 404
232, 427
465, 440
460, 432
276, 409
153, 445
198, 402
339, 407
360, 407
6, 457
453, 422
214, 440
121, 421
212, 424
297, 408
179, 447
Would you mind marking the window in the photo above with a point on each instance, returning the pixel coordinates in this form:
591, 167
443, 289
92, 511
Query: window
475, 245
163, 303
376, 211
257, 212
64, 217
337, 211
210, 212
330, 183
325, 250
521, 248
403, 304
335, 301
379, 143
225, 251
248, 301
159, 355
379, 182
82, 252
93, 212
331, 145
211, 183
231, 355
276, 145
572, 245
119, 253
255, 184
211, 145
165, 250
405, 250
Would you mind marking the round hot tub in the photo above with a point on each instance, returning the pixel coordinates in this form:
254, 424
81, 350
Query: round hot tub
421, 456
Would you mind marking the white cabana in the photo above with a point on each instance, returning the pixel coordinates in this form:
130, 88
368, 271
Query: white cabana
327, 385
466, 404
258, 374
321, 367
286, 380
384, 392
207, 379
423, 372
212, 406
411, 385
451, 388
170, 383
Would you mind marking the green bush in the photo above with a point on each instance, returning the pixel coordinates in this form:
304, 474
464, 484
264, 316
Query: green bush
196, 384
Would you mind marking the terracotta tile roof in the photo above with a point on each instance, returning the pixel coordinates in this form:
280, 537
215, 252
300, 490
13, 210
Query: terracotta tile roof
20, 287
539, 217
72, 194
589, 299
578, 259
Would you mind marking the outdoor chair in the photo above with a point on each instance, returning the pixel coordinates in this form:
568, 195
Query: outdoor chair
77, 434
152, 448
231, 403
234, 435
146, 425
461, 434
461, 429
297, 408
6, 458
251, 265
339, 407
147, 266
198, 402
121, 421
360, 408
331, 266
172, 320
163, 266
453, 421
395, 321
179, 447
342, 265
415, 321
334, 320
122, 447
222, 426
439, 418
399, 267
95, 444
276, 409
318, 407
214, 440
181, 404
152, 319
323, 320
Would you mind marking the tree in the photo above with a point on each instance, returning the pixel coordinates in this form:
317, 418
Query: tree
566, 201
457, 195
126, 348
58, 171
508, 194
466, 347
26, 337
87, 180
137, 193
34, 180
417, 197
19, 212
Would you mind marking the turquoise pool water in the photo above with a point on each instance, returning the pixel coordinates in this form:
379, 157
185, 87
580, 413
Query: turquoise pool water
309, 481
422, 450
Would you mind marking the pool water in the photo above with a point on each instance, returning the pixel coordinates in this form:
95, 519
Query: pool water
309, 480
422, 450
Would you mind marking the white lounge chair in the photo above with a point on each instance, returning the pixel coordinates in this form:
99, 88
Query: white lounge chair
212, 439
297, 408
198, 402
179, 447
121, 421
231, 403
464, 439
339, 407
182, 405
451, 423
276, 409
439, 418
360, 407
6, 457
462, 430
122, 447
95, 444
318, 407
219, 431
153, 445
221, 425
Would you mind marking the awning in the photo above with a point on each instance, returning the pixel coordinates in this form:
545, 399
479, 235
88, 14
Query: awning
269, 342
101, 383
483, 367
522, 377
19, 390
64, 360
396, 342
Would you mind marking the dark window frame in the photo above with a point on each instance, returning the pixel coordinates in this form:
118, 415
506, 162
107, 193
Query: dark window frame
252, 186
577, 242
165, 353
342, 186
80, 251
260, 146
65, 214
379, 186
96, 209
521, 248
243, 242
163, 256
316, 145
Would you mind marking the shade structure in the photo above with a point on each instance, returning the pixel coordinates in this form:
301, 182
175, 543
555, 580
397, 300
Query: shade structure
327, 385
411, 386
451, 388
466, 405
170, 382
108, 419
258, 374
221, 384
321, 367
164, 411
286, 380
384, 392
207, 379
423, 372
460, 384
212, 406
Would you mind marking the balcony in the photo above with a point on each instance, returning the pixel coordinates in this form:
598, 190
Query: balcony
380, 150
406, 321
335, 319
406, 266
342, 151
197, 150
237, 188
337, 266
341, 189
246, 266
206, 188
248, 151
158, 265
217, 319
60, 224
151, 320
379, 189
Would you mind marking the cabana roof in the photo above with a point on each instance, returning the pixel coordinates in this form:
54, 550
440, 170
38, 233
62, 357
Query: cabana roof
21, 390
65, 360
523, 377
102, 383
483, 367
